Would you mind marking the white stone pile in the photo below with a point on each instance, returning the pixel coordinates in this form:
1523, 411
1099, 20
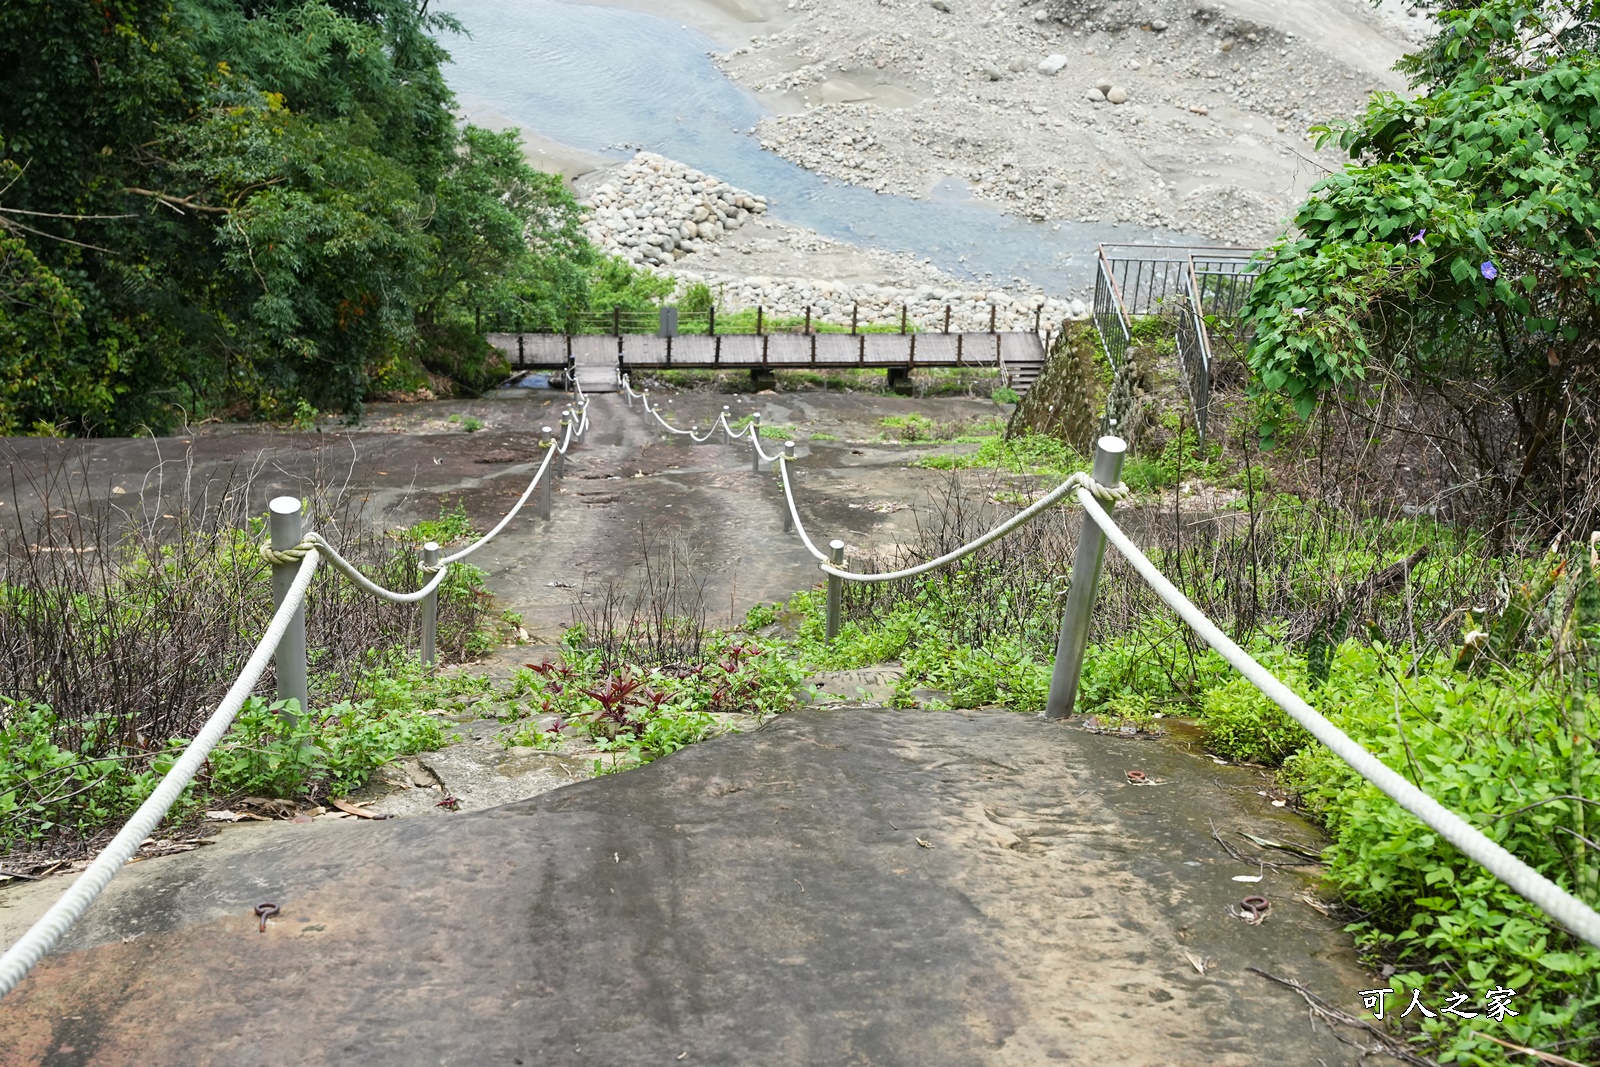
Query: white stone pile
654, 211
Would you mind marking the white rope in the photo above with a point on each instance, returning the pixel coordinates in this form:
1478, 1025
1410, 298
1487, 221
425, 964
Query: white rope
549, 454
1544, 894
20, 958
794, 514
753, 431
44, 934
1079, 481
312, 543
664, 423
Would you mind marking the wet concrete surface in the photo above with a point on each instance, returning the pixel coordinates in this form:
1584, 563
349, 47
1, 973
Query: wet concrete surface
839, 887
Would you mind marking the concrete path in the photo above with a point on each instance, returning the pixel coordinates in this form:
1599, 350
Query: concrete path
839, 887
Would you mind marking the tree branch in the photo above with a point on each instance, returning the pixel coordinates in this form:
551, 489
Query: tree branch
177, 202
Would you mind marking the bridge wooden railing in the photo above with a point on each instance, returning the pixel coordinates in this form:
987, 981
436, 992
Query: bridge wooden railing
532, 351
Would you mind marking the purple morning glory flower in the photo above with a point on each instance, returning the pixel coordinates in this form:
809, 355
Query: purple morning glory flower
1419, 235
1300, 313
1488, 270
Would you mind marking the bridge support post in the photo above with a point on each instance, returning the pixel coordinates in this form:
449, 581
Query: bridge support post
290, 659
900, 380
545, 441
1074, 638
430, 605
835, 588
762, 378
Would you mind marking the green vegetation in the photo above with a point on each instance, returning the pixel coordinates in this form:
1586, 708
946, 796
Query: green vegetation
916, 427
80, 747
215, 207
1456, 255
635, 713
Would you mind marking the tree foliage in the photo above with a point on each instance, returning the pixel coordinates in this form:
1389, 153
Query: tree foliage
207, 203
1459, 248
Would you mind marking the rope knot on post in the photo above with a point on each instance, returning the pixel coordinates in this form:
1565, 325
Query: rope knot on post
288, 557
1106, 494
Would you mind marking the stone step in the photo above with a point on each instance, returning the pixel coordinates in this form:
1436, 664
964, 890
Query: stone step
597, 379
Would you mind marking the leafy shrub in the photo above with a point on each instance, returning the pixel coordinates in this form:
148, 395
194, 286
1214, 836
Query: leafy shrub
327, 753
1507, 753
107, 656
697, 299
50, 786
639, 714
1242, 724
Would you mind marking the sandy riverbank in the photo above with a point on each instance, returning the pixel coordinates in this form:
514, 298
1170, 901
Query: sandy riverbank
901, 95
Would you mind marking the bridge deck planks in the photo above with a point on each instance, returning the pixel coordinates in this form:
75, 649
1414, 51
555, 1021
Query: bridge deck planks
879, 350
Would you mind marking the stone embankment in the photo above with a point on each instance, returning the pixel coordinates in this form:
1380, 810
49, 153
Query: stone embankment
670, 218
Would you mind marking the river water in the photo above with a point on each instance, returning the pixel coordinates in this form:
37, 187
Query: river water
611, 81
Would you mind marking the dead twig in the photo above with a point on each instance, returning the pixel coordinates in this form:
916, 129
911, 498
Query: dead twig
1386, 1042
1542, 1057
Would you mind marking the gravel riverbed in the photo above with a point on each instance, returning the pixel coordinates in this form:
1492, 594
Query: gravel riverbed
1011, 101
1171, 114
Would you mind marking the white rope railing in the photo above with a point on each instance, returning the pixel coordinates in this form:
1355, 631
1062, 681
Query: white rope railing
313, 542
1544, 894
1079, 481
794, 512
1566, 909
48, 930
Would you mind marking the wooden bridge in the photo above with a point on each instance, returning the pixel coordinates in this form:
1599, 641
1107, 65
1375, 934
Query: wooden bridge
593, 359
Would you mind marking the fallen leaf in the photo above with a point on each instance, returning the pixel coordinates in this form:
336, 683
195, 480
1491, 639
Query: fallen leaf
1197, 962
224, 816
1247, 878
923, 843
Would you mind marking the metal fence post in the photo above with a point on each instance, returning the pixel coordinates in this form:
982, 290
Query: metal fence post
430, 605
755, 443
561, 457
788, 516
290, 658
727, 427
545, 441
835, 588
1074, 639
